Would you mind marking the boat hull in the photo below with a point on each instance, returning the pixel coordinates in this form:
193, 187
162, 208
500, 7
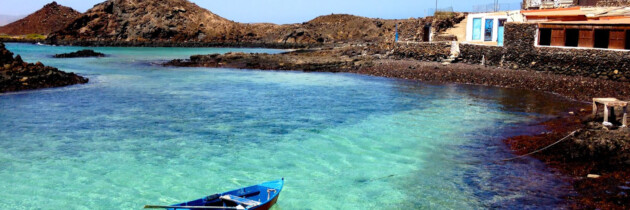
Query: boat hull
268, 205
266, 194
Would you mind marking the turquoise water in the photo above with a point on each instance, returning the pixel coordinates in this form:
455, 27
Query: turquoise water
139, 134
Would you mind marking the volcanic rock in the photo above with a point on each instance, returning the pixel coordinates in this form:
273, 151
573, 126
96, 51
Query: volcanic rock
147, 21
80, 54
52, 17
305, 61
17, 75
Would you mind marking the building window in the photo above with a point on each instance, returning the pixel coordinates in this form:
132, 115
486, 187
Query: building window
544, 38
489, 28
627, 40
602, 38
572, 37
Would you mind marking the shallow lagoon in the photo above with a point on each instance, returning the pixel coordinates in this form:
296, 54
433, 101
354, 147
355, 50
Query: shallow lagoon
140, 133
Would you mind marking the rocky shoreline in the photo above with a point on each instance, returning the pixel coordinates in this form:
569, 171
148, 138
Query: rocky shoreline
352, 60
17, 75
272, 45
594, 149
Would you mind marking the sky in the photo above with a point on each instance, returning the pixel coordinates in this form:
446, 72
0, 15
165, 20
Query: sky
284, 11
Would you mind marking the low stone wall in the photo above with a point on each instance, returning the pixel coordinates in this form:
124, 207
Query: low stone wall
520, 53
593, 63
425, 51
476, 54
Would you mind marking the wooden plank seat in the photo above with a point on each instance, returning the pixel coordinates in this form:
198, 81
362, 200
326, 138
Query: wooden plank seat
609, 109
239, 200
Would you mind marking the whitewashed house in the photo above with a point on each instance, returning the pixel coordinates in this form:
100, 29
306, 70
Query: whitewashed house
488, 28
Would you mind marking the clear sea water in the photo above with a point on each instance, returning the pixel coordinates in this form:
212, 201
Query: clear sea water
140, 133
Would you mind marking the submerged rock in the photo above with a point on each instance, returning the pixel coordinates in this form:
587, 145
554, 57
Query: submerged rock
17, 75
80, 54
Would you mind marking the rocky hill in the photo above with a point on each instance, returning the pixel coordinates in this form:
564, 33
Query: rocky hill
143, 21
17, 75
337, 28
182, 23
50, 18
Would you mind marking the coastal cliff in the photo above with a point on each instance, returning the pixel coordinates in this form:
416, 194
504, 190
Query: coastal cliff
50, 18
17, 75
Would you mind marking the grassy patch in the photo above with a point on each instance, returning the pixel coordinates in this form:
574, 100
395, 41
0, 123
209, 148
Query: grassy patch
35, 36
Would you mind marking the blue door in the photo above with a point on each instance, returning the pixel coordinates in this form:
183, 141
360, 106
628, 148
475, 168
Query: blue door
476, 33
500, 32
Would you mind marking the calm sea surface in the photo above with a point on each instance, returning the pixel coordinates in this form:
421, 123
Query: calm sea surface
140, 133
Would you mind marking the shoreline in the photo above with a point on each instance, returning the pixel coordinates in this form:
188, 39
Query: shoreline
577, 88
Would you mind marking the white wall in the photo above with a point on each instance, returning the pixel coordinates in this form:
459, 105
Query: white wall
533, 3
509, 16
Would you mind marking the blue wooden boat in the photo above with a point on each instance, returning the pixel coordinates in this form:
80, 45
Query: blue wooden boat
258, 197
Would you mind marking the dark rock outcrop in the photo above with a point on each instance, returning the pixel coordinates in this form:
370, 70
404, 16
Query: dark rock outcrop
593, 149
288, 61
17, 75
80, 54
52, 17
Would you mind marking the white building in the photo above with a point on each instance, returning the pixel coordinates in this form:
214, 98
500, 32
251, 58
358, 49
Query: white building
488, 28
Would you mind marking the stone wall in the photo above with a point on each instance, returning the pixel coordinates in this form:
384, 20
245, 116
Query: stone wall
425, 51
521, 53
476, 54
613, 3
